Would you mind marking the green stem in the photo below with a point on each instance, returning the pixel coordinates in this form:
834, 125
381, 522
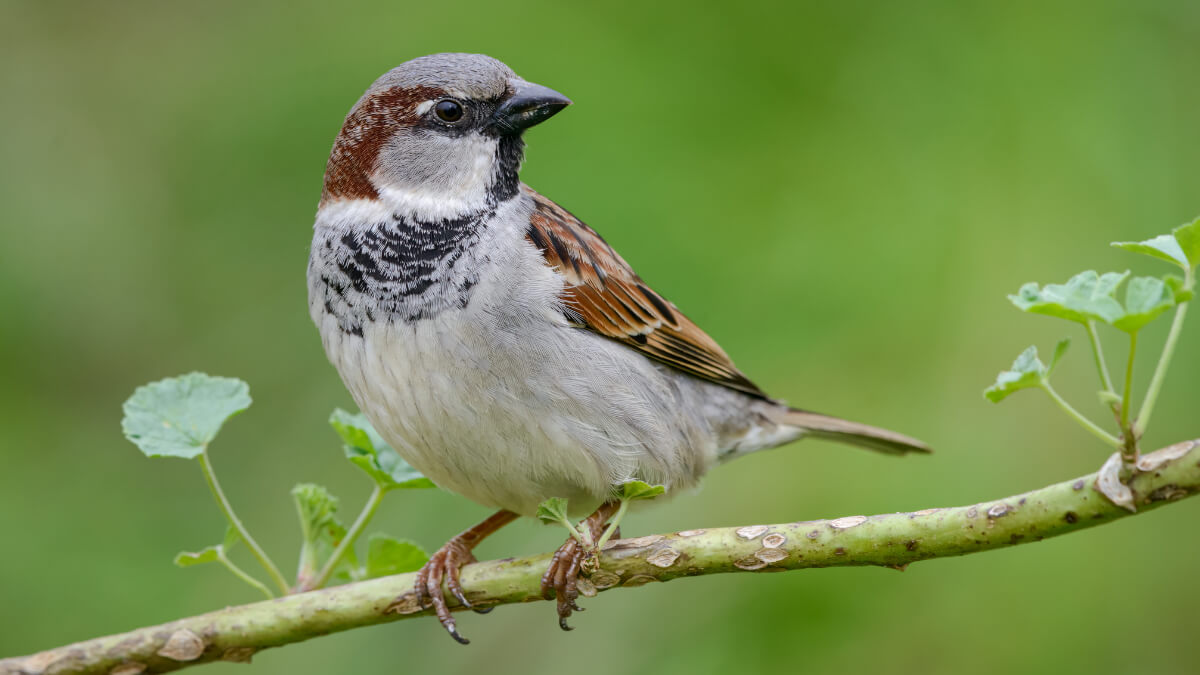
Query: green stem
614, 524
1128, 382
1160, 371
1078, 417
347, 543
241, 574
1098, 352
227, 509
582, 534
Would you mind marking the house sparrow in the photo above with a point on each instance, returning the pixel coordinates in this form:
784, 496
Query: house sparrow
496, 341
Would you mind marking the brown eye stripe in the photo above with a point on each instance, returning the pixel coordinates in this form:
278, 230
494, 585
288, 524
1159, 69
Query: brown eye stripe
366, 129
605, 294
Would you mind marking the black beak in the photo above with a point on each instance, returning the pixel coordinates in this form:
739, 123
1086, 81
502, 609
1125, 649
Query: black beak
529, 104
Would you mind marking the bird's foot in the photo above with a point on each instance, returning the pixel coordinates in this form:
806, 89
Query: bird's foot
561, 579
445, 564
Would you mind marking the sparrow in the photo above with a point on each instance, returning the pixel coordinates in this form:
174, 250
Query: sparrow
496, 341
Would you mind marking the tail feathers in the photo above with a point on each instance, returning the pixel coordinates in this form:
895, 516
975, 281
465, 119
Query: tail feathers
853, 433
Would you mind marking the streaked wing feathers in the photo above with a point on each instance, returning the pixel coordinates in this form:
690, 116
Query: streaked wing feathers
604, 294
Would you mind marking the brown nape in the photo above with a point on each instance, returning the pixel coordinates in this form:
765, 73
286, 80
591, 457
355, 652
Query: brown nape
367, 128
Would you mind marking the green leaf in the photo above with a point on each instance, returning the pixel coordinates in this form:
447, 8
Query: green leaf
316, 507
1188, 237
1163, 247
1026, 372
553, 510
205, 555
1086, 296
1179, 288
1059, 350
1181, 247
1145, 299
180, 416
367, 449
386, 555
321, 529
636, 489
211, 553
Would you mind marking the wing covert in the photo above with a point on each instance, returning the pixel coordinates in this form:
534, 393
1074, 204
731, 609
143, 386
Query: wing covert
605, 295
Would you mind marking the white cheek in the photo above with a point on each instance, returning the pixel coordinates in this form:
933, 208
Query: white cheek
454, 181
341, 213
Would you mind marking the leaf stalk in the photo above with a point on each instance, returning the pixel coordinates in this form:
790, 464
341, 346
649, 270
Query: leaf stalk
1164, 360
347, 542
227, 509
242, 574
1083, 421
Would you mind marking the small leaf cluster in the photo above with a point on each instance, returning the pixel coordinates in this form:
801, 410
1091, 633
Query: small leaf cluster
1089, 296
1026, 372
369, 452
554, 510
1091, 299
181, 416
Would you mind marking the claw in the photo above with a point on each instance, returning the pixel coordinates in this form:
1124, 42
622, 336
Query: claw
446, 564
560, 581
453, 630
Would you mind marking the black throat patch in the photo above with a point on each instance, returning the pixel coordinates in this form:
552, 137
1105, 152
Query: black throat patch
399, 270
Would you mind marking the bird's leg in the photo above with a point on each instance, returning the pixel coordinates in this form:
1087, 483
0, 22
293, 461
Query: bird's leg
446, 563
562, 575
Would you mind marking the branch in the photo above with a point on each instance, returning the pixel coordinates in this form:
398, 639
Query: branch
890, 540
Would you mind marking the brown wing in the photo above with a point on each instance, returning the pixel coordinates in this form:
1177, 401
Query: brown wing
604, 294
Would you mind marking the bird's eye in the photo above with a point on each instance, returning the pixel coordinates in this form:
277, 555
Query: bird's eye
448, 110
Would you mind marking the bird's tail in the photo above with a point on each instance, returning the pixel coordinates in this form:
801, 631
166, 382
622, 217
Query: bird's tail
853, 433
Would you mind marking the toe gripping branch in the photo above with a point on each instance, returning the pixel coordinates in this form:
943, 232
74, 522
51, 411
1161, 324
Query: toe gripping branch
446, 564
559, 581
561, 578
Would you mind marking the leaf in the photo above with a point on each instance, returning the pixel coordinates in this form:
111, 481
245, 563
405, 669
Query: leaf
1188, 237
387, 555
1086, 296
367, 449
1178, 287
1145, 299
1059, 350
1181, 247
180, 416
211, 553
1027, 371
321, 529
636, 489
1163, 247
553, 510
316, 507
205, 555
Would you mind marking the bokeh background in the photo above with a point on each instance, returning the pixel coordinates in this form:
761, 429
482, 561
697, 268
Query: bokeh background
841, 193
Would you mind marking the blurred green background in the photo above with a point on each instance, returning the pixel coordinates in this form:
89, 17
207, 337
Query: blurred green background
840, 193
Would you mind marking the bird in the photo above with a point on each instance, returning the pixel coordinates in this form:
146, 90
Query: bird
497, 342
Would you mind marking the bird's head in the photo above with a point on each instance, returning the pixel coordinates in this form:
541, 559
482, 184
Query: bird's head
438, 136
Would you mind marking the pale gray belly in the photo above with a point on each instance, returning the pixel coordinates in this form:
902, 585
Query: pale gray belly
511, 415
